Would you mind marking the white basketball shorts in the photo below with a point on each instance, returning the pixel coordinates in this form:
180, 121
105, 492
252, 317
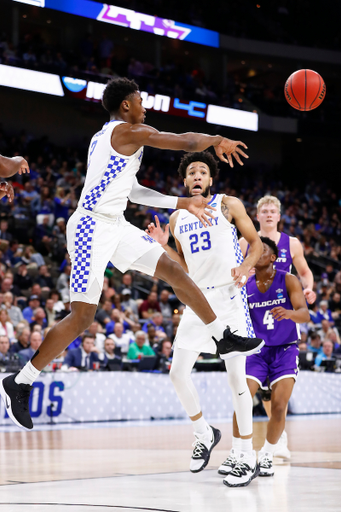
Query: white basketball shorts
230, 305
93, 241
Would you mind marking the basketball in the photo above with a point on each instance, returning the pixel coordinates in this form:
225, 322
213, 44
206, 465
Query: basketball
305, 89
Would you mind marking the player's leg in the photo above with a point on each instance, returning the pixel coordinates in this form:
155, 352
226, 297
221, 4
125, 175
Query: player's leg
241, 466
89, 252
229, 345
281, 393
282, 449
206, 437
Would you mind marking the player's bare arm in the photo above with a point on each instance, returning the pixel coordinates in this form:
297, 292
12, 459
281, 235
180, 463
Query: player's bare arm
11, 166
156, 232
236, 211
304, 272
300, 313
128, 138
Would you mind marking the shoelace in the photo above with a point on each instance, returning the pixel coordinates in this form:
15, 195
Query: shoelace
230, 461
23, 397
265, 462
199, 447
240, 469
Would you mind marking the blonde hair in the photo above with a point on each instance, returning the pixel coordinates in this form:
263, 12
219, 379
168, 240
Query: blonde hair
269, 200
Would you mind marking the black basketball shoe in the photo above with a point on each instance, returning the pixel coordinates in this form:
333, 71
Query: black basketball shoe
202, 447
16, 398
232, 345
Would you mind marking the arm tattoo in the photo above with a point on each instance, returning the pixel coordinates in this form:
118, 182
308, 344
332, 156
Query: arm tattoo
225, 210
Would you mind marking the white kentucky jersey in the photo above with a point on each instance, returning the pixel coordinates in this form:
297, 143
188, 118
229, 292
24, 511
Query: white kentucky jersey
210, 252
110, 175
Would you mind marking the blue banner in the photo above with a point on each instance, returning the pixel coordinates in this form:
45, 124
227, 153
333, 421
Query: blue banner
131, 19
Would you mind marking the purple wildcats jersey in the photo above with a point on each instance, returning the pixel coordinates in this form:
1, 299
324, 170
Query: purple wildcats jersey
273, 332
284, 260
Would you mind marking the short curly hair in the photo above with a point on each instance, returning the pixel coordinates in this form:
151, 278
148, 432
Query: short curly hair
271, 244
116, 91
203, 156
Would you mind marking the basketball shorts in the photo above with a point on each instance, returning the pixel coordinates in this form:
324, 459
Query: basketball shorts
230, 305
275, 363
93, 241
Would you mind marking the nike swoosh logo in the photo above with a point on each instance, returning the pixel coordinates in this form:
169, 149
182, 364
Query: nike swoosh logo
6, 403
250, 295
232, 297
183, 218
241, 393
285, 349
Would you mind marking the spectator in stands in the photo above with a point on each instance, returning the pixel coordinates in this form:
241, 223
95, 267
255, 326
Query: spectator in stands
27, 353
139, 348
164, 352
172, 327
50, 313
103, 314
327, 353
4, 234
44, 279
109, 354
4, 349
39, 318
57, 302
23, 337
128, 302
335, 306
62, 203
28, 312
96, 331
83, 357
32, 258
6, 326
121, 339
166, 308
149, 306
14, 313
327, 328
324, 313
22, 279
314, 343
156, 320
63, 281
127, 282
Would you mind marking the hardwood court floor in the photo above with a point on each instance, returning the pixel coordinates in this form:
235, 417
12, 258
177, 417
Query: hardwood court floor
144, 466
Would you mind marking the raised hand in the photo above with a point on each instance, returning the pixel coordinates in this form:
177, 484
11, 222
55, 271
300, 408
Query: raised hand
6, 189
230, 148
156, 232
23, 165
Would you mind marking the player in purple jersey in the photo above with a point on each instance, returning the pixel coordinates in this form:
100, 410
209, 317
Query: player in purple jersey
277, 305
290, 252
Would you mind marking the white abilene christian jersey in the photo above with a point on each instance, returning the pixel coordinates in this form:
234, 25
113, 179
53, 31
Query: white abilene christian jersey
110, 175
210, 252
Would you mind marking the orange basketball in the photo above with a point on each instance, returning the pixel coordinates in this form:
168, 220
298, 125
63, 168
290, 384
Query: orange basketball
305, 89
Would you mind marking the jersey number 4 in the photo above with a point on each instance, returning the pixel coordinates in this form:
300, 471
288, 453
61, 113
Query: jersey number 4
205, 241
268, 320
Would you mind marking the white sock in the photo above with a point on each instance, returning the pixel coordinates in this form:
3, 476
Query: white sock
27, 375
237, 443
200, 426
268, 447
216, 329
246, 446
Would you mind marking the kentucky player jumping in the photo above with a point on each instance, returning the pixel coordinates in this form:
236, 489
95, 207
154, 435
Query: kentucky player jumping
98, 233
277, 305
212, 257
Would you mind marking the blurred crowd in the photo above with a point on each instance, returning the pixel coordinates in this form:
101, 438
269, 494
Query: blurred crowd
137, 316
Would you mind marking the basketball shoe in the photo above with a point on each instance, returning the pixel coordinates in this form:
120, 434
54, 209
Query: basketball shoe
229, 463
282, 449
16, 398
232, 345
202, 447
265, 463
244, 471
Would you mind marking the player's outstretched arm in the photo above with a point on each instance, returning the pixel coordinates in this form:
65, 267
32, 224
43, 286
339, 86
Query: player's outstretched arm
10, 166
300, 313
128, 138
156, 232
304, 272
